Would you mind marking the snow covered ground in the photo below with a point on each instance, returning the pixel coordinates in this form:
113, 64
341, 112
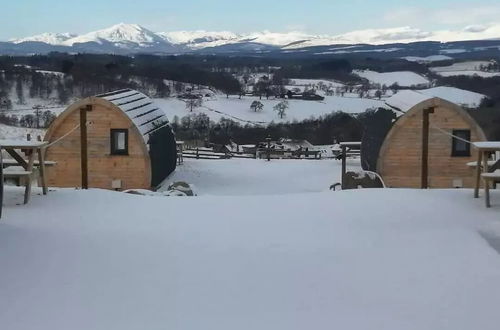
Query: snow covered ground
239, 110
354, 260
402, 78
27, 107
234, 177
315, 82
469, 68
13, 132
427, 59
482, 74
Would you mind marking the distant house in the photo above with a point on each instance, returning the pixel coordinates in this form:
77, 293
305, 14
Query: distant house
190, 96
400, 160
312, 97
307, 96
293, 144
5, 103
130, 143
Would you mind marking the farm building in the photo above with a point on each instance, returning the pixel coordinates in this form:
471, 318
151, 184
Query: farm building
130, 143
427, 146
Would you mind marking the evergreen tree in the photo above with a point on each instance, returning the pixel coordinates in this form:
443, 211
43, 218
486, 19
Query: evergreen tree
20, 90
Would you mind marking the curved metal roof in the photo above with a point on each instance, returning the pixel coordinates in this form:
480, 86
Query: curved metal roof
141, 109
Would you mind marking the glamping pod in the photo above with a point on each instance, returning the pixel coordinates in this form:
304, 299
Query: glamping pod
130, 143
402, 161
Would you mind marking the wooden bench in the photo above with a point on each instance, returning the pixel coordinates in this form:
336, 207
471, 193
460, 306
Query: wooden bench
12, 162
489, 178
474, 164
20, 173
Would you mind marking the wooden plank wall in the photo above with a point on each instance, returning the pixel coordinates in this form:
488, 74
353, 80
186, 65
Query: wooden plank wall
133, 170
400, 162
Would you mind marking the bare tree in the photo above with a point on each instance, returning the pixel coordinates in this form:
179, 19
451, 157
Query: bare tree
48, 117
193, 103
281, 108
257, 106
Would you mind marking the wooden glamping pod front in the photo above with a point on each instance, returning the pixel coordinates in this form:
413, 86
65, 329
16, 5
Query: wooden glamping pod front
400, 158
130, 143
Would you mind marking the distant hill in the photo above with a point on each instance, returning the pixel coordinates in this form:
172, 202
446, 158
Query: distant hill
126, 39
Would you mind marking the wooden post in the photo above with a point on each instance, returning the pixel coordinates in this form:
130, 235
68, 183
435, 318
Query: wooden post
425, 148
268, 149
29, 168
1, 184
344, 165
41, 166
83, 146
478, 173
487, 192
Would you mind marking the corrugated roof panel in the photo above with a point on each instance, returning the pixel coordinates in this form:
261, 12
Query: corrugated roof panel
141, 109
137, 112
157, 114
115, 97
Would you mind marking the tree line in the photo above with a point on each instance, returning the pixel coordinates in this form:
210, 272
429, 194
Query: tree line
327, 129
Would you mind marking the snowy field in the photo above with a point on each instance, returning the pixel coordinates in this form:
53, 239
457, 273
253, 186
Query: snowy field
402, 78
315, 82
353, 260
234, 177
13, 132
482, 74
469, 68
427, 59
239, 109
219, 106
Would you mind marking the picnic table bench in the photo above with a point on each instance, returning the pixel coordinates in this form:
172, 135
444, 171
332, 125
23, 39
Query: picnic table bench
488, 178
24, 167
8, 162
490, 163
484, 166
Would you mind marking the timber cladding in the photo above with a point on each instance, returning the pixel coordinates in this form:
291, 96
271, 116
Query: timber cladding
400, 158
133, 169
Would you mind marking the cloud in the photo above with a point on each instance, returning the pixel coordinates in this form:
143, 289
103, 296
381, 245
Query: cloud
467, 14
457, 15
406, 34
475, 28
405, 15
296, 27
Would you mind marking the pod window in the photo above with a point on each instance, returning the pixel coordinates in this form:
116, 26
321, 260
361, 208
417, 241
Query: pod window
119, 142
459, 147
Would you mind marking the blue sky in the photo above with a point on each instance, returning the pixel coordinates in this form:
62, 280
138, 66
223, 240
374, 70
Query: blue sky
29, 17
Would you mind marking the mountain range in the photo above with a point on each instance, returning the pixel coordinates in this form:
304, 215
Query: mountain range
132, 38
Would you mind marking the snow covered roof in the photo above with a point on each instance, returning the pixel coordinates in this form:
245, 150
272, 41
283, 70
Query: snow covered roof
404, 100
141, 109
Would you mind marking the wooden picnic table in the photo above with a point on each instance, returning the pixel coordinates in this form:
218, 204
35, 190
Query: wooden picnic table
484, 149
345, 146
32, 149
180, 149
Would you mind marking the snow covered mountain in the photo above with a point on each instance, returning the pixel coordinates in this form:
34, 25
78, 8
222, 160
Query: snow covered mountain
119, 38
48, 38
200, 39
132, 38
118, 34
